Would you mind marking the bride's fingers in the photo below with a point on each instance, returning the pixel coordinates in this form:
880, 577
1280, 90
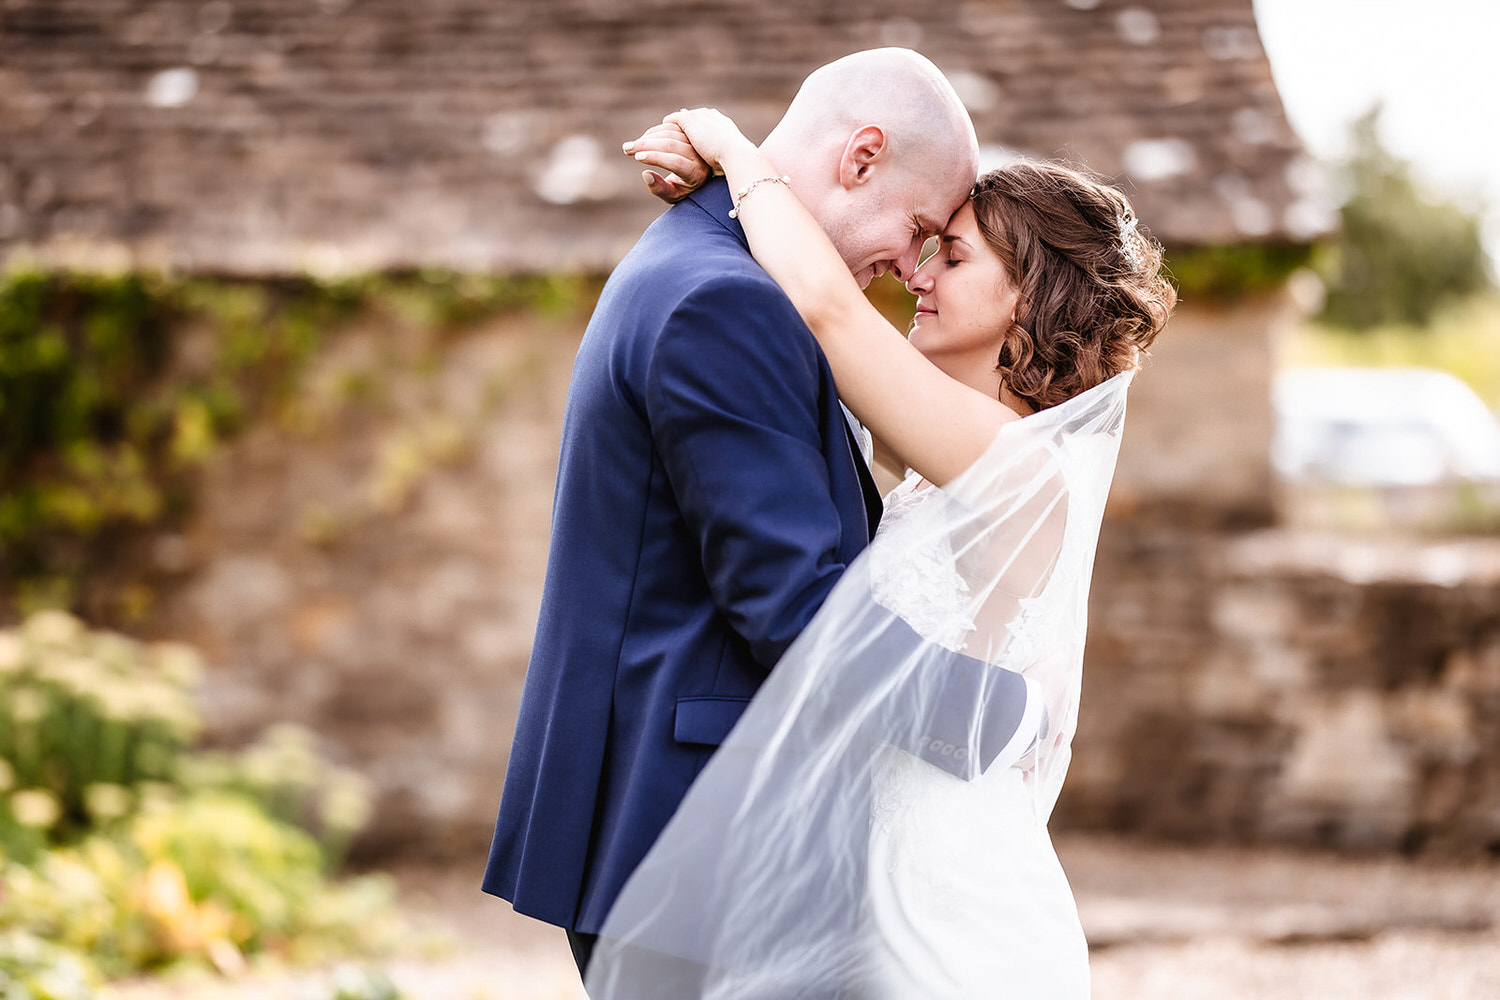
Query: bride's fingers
676, 168
709, 130
673, 144
699, 117
664, 136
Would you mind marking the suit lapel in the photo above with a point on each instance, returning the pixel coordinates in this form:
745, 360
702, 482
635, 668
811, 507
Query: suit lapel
873, 506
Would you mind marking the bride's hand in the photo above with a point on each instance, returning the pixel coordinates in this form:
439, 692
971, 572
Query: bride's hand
676, 168
713, 134
686, 149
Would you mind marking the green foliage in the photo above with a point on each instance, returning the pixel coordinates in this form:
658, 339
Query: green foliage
87, 720
1400, 256
205, 879
119, 842
115, 389
448, 299
34, 969
895, 303
104, 413
1226, 273
283, 774
73, 359
92, 724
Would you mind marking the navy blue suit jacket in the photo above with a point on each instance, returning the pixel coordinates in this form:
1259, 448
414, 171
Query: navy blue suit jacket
707, 501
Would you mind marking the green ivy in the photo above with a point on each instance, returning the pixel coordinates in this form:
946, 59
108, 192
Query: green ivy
114, 389
1229, 273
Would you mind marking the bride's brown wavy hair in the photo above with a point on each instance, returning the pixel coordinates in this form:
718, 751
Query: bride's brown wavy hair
1092, 298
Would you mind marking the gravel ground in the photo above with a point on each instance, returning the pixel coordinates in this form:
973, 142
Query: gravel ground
1164, 923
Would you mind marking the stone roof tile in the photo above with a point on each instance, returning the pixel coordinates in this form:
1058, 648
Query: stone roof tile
276, 135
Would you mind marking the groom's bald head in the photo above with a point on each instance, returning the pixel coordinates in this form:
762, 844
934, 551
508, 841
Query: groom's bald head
881, 150
898, 89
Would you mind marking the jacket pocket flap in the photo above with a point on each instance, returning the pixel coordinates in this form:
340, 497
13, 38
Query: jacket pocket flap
706, 720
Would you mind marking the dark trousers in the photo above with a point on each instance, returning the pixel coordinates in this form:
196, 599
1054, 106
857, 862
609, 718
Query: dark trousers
583, 948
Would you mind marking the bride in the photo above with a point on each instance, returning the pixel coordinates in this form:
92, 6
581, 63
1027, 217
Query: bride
875, 826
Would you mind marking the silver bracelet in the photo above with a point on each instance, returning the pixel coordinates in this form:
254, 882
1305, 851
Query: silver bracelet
734, 213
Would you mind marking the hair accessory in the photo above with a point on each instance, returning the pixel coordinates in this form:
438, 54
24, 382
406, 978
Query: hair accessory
1130, 247
734, 213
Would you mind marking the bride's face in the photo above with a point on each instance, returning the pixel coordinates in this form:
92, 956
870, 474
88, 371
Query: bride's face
965, 302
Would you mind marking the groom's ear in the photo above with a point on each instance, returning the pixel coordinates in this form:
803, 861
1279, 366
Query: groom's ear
866, 148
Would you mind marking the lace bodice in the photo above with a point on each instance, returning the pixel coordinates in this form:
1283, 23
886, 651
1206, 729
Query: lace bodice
925, 588
917, 579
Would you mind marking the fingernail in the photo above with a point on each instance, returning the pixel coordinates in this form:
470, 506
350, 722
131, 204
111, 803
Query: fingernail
640, 156
627, 146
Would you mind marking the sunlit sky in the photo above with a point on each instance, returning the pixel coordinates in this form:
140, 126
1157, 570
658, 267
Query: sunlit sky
1432, 62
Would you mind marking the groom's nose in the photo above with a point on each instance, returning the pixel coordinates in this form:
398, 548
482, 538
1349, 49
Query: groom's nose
905, 266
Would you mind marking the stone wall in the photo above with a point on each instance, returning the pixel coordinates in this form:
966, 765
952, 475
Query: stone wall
370, 567
1292, 687
1197, 445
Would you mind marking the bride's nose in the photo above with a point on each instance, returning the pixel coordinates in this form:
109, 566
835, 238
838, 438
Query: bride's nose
921, 279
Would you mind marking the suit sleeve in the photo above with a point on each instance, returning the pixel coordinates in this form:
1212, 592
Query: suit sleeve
732, 392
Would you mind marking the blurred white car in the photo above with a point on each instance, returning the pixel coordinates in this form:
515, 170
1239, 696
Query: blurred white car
1382, 427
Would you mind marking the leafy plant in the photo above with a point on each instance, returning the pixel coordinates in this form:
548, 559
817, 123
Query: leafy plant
86, 720
1401, 255
284, 775
119, 842
207, 879
34, 969
1226, 273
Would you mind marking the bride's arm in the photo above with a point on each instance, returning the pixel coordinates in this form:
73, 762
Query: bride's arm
887, 459
933, 423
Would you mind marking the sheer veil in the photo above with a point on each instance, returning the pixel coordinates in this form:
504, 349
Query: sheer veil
755, 888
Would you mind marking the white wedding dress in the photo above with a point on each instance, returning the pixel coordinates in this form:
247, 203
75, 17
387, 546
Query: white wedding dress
1017, 911
874, 827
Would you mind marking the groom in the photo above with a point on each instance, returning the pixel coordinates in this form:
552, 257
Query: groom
710, 491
